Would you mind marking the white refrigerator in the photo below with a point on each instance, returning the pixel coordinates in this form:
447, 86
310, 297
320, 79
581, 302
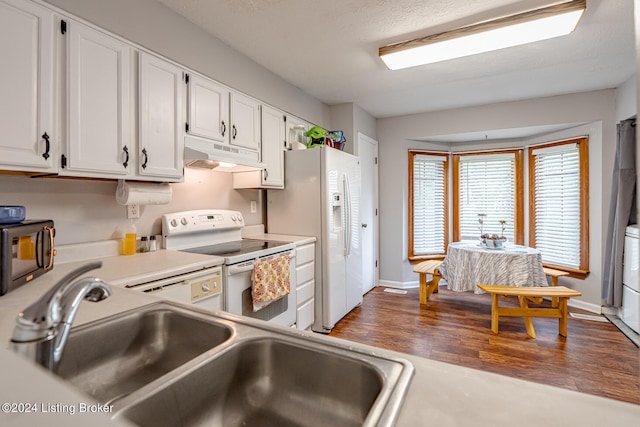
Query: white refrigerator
321, 198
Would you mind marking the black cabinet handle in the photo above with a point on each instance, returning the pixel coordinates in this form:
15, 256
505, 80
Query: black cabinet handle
146, 158
48, 146
266, 174
126, 160
224, 128
235, 132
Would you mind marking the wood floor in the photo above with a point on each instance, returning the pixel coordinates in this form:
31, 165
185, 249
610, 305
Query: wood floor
595, 358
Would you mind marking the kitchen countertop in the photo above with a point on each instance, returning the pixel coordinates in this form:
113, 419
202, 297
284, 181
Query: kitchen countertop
440, 394
297, 240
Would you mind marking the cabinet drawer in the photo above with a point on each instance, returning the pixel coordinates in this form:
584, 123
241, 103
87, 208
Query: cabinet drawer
305, 253
305, 316
305, 291
304, 273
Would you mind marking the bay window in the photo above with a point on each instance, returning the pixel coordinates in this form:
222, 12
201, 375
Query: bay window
428, 179
558, 204
488, 188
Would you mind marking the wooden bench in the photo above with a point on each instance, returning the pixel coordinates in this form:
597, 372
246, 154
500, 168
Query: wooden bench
530, 292
554, 274
430, 287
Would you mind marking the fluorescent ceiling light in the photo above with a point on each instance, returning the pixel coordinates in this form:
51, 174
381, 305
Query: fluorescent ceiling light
535, 25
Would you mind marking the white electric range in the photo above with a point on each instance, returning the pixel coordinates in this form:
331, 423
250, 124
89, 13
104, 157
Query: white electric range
219, 232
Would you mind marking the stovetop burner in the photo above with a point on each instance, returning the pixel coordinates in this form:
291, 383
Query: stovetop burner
235, 248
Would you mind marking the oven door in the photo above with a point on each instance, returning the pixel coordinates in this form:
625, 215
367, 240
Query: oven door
237, 293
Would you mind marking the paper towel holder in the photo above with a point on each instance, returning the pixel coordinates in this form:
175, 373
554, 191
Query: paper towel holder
139, 193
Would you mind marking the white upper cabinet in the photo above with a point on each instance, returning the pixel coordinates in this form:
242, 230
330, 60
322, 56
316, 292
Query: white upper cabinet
28, 141
245, 121
99, 112
161, 122
221, 123
208, 112
273, 142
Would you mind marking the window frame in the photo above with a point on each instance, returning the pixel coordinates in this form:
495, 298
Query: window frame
583, 144
413, 257
518, 220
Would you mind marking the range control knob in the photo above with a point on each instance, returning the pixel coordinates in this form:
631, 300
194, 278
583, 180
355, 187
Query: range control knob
234, 218
174, 222
205, 287
184, 221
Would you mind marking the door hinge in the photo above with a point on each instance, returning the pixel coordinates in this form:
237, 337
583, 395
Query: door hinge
186, 127
63, 26
376, 160
63, 161
376, 211
284, 118
186, 78
376, 263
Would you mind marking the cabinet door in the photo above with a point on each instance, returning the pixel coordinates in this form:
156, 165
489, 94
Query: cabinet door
245, 121
28, 140
273, 141
208, 114
161, 123
99, 102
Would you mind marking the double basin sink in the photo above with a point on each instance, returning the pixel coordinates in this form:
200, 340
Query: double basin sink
166, 364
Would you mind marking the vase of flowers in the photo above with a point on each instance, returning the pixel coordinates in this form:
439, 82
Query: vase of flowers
494, 241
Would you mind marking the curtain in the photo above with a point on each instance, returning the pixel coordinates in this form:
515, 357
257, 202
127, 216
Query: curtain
622, 191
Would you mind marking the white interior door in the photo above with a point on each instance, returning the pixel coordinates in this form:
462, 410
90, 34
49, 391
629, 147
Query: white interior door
368, 153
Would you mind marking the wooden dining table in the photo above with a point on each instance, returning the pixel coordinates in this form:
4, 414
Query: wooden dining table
469, 264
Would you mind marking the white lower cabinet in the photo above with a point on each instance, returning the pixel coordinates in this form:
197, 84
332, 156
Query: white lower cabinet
305, 288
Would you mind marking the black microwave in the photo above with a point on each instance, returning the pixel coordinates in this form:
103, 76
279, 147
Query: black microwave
26, 252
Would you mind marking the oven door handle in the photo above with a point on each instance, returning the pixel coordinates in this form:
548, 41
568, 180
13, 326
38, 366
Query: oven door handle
240, 268
248, 265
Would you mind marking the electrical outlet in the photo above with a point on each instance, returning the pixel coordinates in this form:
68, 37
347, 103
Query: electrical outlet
254, 206
133, 211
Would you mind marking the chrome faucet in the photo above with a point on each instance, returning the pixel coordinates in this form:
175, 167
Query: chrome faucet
42, 329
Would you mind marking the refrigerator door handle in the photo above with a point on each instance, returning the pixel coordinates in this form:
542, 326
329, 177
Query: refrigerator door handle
347, 226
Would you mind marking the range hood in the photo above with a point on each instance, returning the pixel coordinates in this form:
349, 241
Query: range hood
201, 153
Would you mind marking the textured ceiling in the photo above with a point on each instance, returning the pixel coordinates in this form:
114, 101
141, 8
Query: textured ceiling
328, 48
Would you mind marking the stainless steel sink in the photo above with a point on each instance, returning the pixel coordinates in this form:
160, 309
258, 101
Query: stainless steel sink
115, 356
267, 382
168, 364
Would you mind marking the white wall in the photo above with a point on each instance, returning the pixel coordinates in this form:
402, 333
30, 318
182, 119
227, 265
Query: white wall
352, 119
626, 105
395, 137
86, 211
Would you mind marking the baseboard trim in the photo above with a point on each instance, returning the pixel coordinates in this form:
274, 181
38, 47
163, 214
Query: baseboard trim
593, 308
398, 285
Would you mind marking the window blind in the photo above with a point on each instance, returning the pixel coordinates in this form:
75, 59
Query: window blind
557, 204
487, 186
428, 204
